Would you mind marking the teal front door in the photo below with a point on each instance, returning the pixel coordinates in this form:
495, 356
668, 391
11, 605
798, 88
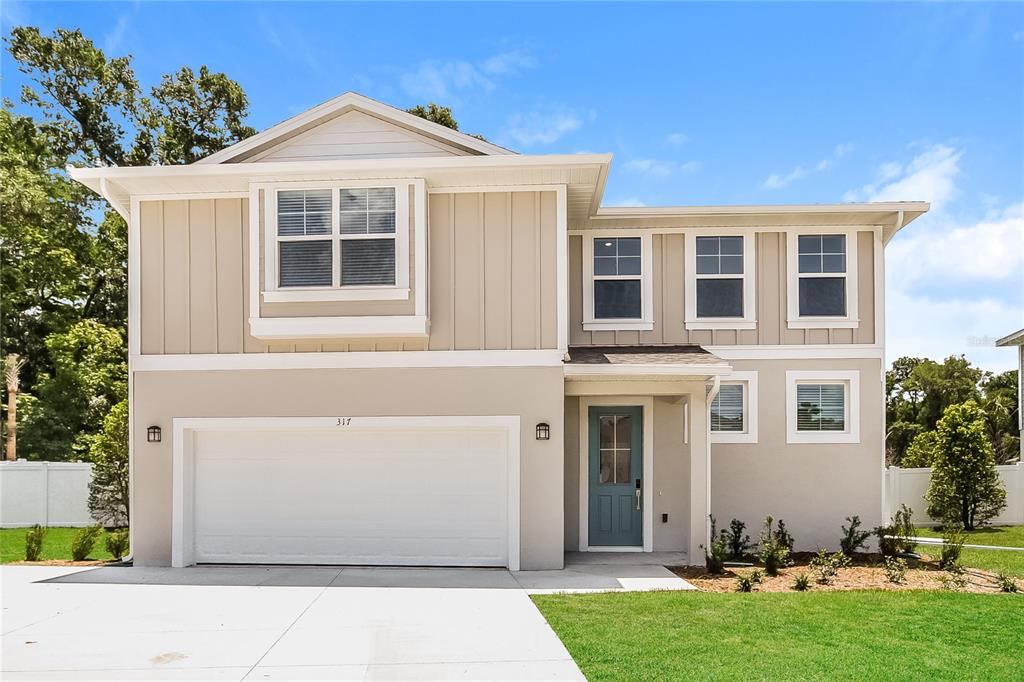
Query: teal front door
616, 477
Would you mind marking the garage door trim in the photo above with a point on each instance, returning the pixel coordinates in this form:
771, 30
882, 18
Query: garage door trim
184, 430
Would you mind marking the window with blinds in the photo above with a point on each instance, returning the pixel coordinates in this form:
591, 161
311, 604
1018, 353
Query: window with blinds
336, 237
821, 407
727, 409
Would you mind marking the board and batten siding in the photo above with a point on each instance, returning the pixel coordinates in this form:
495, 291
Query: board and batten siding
669, 284
491, 278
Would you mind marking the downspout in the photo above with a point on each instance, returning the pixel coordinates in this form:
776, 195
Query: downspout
710, 393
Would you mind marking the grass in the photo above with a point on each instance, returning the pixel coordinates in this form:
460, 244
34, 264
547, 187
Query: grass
56, 545
1010, 563
858, 635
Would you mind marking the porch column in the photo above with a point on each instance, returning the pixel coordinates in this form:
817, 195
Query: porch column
700, 476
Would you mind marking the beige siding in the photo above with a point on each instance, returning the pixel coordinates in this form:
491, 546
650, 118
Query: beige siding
669, 285
534, 394
356, 135
491, 278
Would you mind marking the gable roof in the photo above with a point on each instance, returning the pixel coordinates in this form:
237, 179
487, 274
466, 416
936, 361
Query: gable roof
350, 101
1014, 339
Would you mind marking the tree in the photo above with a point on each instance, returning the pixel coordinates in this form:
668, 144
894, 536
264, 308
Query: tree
13, 364
965, 487
440, 115
108, 452
1000, 407
921, 452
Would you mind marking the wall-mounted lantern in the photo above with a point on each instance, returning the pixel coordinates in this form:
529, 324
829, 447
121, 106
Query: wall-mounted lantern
153, 434
543, 431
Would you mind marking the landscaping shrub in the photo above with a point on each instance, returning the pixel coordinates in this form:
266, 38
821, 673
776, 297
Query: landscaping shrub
757, 576
965, 487
716, 554
952, 547
783, 535
895, 537
739, 544
1006, 583
853, 539
826, 566
745, 583
117, 543
774, 552
802, 583
34, 542
84, 541
895, 569
955, 579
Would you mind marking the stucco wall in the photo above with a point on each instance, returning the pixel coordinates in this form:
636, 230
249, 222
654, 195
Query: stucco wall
813, 487
534, 394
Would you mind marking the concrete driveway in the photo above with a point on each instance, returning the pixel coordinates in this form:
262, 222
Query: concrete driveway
257, 623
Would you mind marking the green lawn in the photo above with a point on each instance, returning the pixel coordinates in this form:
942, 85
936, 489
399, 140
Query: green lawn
56, 545
864, 635
1011, 563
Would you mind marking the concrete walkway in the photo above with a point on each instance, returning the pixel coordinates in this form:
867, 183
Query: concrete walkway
267, 623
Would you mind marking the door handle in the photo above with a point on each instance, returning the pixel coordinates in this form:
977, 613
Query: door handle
638, 499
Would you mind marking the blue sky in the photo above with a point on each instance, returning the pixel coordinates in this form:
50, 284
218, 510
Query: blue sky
701, 104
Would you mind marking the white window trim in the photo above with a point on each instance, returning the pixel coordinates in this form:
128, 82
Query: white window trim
749, 433
646, 321
795, 321
749, 319
850, 381
272, 293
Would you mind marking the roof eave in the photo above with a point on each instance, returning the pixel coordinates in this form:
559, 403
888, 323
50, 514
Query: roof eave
1014, 339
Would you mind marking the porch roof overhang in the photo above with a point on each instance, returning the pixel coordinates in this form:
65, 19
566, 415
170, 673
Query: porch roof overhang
643, 363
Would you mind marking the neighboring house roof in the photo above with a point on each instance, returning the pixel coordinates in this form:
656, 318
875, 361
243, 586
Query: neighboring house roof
666, 362
1014, 339
340, 105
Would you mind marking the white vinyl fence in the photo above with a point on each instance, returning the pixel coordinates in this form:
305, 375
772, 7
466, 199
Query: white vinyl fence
908, 486
47, 493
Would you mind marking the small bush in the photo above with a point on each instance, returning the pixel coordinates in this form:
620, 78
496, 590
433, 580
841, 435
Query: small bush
745, 583
739, 544
895, 569
716, 554
895, 537
117, 543
1006, 583
952, 547
853, 539
774, 553
757, 576
34, 542
83, 542
784, 537
826, 566
802, 583
955, 579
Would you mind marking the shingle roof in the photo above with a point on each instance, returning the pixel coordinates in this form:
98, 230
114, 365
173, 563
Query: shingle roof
643, 355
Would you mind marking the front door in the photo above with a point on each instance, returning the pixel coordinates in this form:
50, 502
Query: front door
616, 477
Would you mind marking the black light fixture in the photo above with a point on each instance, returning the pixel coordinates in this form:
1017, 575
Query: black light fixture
543, 431
153, 434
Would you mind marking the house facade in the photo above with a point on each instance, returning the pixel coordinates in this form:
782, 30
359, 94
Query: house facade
363, 338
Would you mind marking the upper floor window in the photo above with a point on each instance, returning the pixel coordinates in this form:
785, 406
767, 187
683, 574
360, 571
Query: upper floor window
719, 281
337, 243
822, 279
617, 283
823, 406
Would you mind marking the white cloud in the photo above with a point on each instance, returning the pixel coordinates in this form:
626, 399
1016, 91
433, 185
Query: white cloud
782, 180
778, 181
112, 39
677, 139
655, 168
442, 80
930, 176
823, 165
842, 150
538, 127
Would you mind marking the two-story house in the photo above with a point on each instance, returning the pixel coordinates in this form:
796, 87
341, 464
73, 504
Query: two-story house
363, 338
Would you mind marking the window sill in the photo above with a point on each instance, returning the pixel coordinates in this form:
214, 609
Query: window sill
618, 326
822, 437
823, 323
365, 327
348, 294
720, 323
724, 437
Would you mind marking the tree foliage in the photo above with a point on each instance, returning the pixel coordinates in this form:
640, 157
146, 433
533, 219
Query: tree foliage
440, 115
965, 487
108, 452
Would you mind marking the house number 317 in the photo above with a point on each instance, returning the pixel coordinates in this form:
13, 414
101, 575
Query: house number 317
344, 421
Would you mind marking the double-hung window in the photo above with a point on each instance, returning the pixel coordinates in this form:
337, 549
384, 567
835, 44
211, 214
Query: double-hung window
720, 282
822, 282
337, 243
617, 283
734, 409
823, 407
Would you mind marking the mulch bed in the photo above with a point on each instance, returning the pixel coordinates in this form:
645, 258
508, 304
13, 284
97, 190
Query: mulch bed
866, 573
61, 562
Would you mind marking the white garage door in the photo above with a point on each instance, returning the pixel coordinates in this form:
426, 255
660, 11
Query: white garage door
422, 496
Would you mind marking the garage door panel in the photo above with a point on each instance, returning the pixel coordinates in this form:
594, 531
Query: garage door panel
435, 497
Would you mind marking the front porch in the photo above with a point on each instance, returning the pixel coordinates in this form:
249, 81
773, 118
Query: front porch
637, 453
